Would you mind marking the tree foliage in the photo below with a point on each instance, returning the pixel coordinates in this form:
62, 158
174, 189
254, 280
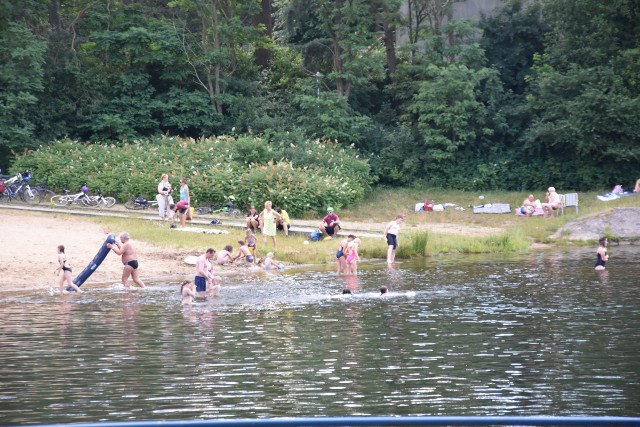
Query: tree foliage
535, 94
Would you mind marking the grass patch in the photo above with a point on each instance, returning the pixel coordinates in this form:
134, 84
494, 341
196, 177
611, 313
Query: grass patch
416, 245
289, 249
513, 233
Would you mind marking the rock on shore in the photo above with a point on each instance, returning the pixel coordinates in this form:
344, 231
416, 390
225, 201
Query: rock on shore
623, 223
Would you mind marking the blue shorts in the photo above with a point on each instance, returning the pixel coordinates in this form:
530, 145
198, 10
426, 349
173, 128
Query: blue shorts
339, 254
201, 284
392, 240
249, 258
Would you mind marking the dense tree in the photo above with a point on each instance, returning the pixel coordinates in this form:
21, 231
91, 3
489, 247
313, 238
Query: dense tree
21, 80
585, 95
538, 93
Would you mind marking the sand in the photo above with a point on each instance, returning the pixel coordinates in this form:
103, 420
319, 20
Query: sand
28, 257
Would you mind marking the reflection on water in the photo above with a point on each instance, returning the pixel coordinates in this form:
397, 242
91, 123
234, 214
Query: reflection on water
535, 334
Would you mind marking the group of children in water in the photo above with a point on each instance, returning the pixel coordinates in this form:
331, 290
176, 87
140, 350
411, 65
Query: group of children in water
207, 283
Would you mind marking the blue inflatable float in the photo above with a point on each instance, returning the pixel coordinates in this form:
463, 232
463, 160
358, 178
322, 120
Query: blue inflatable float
95, 262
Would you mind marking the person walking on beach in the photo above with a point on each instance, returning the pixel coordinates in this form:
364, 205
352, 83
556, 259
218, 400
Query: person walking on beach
391, 234
602, 254
164, 198
129, 259
65, 271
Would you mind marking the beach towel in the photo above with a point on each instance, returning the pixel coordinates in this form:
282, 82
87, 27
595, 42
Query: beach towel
536, 212
492, 208
612, 196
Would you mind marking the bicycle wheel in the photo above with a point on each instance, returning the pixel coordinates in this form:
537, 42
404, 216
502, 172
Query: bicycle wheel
202, 210
90, 202
60, 201
45, 193
108, 202
30, 196
131, 204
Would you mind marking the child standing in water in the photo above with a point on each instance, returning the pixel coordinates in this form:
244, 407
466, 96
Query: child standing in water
65, 269
188, 291
602, 255
352, 256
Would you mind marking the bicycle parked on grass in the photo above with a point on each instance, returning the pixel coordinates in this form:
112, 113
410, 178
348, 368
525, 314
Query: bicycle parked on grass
68, 199
226, 210
99, 201
140, 203
18, 188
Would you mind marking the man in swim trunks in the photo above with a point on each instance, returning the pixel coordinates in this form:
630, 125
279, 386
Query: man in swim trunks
129, 259
204, 272
330, 223
391, 234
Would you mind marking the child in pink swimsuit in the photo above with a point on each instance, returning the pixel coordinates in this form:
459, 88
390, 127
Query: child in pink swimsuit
352, 256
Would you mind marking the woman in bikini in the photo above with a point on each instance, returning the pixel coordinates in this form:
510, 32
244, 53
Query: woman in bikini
65, 271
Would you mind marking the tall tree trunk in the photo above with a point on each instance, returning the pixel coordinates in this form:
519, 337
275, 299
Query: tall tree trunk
390, 46
54, 14
263, 56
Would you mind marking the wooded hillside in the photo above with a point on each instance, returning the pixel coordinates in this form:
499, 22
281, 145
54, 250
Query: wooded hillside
546, 94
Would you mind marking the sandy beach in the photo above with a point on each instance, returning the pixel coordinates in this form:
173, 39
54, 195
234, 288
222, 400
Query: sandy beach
28, 257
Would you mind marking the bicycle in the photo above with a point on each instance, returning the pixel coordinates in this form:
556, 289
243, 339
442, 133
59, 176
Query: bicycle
140, 203
226, 210
18, 187
98, 201
69, 199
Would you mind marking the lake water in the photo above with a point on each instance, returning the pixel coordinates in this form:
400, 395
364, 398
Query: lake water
540, 333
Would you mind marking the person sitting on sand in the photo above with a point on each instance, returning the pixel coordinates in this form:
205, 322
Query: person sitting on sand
224, 256
243, 251
188, 291
251, 242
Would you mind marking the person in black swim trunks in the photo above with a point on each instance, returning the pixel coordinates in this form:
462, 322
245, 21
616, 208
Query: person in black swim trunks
129, 259
65, 269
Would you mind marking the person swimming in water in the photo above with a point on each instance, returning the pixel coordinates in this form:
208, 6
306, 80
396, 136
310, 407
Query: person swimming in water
383, 290
187, 291
602, 254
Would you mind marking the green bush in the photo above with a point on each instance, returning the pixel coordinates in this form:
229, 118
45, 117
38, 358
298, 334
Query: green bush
303, 177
